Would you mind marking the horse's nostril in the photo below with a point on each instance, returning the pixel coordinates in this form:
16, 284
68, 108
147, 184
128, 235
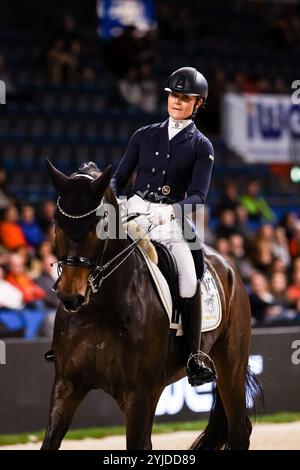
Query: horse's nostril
80, 299
72, 302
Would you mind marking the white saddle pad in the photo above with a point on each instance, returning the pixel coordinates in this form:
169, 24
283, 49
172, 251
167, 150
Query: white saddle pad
211, 302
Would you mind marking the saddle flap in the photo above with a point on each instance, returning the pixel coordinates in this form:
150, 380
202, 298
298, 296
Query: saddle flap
168, 266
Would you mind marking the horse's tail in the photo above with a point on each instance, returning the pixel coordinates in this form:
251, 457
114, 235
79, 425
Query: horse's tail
215, 435
254, 393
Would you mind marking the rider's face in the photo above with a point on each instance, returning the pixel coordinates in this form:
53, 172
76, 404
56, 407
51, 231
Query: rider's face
181, 106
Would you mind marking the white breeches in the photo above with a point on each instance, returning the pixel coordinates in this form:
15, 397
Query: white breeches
169, 234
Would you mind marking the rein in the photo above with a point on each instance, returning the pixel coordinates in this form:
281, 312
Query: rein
96, 278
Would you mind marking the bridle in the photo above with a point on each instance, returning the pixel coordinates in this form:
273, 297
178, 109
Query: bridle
81, 261
99, 271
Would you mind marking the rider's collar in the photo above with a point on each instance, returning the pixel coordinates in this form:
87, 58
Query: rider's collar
179, 124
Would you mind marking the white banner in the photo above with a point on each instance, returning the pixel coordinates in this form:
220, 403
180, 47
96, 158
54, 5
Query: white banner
262, 128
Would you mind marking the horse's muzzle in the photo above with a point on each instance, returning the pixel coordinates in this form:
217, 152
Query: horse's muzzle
71, 302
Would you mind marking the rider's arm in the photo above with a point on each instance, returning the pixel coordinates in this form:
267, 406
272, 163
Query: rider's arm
200, 179
126, 165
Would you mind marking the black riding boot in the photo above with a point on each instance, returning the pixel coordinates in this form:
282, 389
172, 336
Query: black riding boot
49, 355
198, 373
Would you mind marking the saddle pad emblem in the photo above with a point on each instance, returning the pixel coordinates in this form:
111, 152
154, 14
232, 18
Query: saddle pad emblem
211, 303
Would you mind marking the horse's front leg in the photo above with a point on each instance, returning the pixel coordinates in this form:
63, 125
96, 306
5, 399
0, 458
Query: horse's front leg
64, 402
139, 409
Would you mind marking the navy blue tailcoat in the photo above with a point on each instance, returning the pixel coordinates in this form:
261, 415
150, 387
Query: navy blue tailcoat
180, 168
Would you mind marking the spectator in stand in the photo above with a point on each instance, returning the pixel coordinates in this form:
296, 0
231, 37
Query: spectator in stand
44, 249
262, 248
46, 216
58, 61
278, 285
293, 292
130, 88
227, 224
242, 223
209, 236
19, 278
30, 227
286, 27
148, 87
33, 313
294, 244
11, 304
65, 53
243, 83
51, 235
297, 311
4, 201
64, 64
10, 296
223, 247
239, 257
277, 266
46, 281
11, 235
31, 263
296, 264
280, 247
125, 52
289, 315
288, 222
264, 306
280, 86
69, 32
229, 198
138, 87
256, 206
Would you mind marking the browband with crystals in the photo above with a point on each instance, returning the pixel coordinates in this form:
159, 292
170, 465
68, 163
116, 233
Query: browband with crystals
77, 216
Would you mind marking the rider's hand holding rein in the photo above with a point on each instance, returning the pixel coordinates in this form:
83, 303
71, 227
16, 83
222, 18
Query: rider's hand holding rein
162, 215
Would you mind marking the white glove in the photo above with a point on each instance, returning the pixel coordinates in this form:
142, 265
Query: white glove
162, 215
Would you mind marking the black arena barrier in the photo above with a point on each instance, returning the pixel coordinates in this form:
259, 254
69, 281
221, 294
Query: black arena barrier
26, 382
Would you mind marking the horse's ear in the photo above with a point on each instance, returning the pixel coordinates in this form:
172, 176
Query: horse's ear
100, 184
58, 179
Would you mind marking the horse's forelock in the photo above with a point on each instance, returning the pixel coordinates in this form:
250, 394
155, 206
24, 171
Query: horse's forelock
89, 166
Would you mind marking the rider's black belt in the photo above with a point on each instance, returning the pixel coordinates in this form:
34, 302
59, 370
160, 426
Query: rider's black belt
156, 197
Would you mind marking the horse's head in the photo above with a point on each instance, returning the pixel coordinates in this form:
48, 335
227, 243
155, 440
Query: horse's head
79, 207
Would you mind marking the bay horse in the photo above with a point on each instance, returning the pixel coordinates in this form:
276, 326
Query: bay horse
112, 333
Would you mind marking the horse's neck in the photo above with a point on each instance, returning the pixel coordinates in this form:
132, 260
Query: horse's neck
122, 269
117, 245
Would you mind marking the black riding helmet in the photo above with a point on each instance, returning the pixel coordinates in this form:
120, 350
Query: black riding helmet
188, 81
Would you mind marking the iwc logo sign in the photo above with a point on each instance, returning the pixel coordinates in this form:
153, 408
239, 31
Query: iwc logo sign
196, 399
